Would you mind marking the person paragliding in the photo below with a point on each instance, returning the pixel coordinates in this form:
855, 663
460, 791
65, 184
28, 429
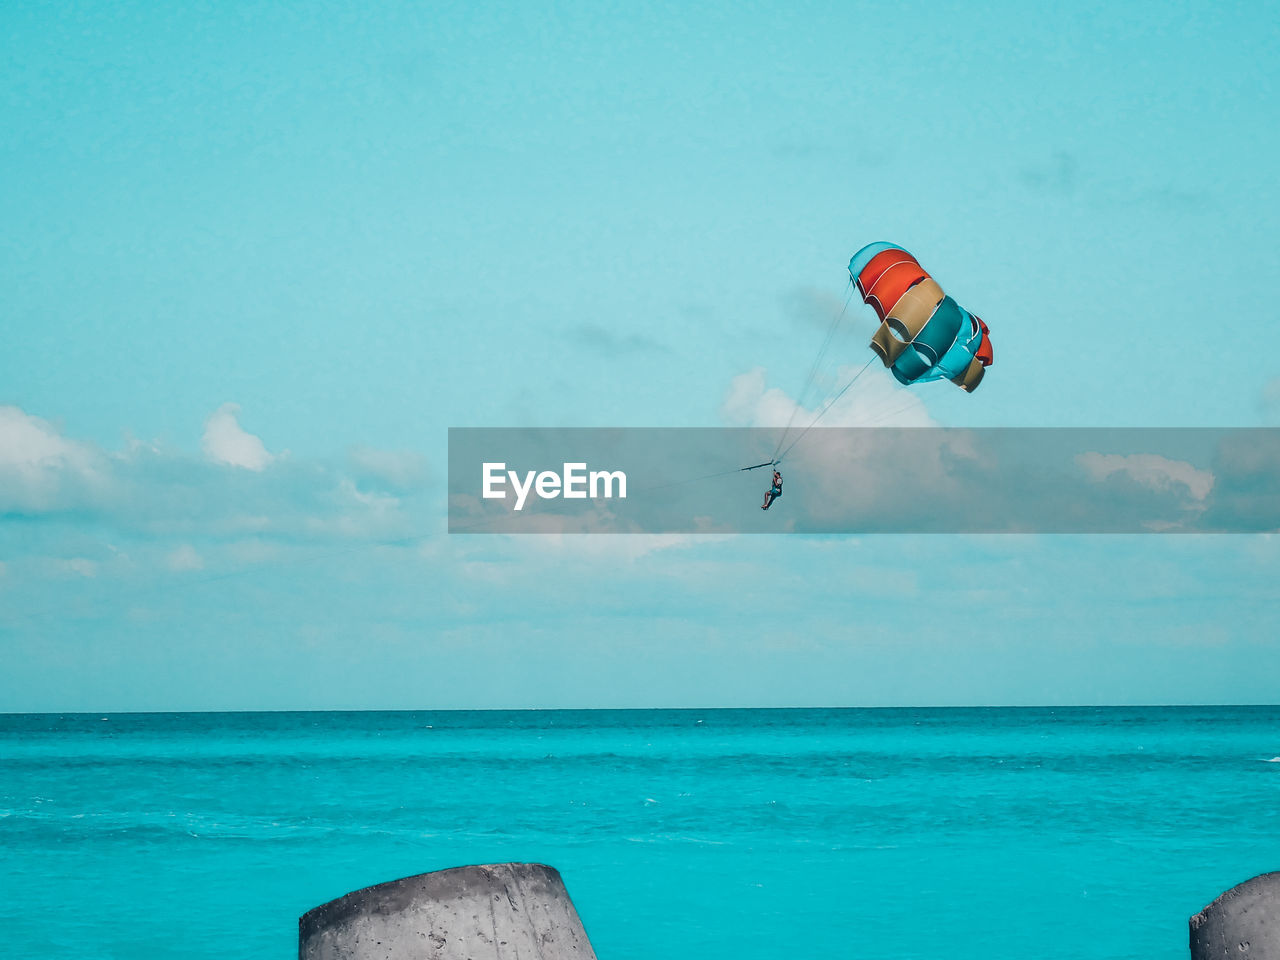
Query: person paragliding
774, 491
923, 335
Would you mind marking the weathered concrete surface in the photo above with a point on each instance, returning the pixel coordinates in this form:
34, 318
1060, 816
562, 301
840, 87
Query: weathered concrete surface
1242, 924
503, 911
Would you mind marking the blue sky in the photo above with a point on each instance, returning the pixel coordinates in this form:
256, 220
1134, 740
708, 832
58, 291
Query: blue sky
256, 259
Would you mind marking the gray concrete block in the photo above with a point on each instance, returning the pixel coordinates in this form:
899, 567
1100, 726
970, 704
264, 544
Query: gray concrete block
1242, 924
503, 911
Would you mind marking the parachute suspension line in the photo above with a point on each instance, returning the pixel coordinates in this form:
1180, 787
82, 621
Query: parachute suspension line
707, 476
886, 412
816, 366
830, 403
892, 413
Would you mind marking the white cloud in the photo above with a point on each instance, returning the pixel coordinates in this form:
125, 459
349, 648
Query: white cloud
81, 566
146, 488
1270, 401
27, 442
376, 502
225, 441
41, 469
401, 469
625, 547
1150, 470
185, 557
874, 400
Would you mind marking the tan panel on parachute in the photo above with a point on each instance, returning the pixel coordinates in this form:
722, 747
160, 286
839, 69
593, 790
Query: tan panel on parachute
914, 308
909, 315
887, 345
972, 376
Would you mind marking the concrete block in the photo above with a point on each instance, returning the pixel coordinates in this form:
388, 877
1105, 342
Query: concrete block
504, 911
1242, 924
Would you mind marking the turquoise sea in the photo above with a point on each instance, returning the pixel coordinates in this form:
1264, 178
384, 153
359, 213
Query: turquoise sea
681, 834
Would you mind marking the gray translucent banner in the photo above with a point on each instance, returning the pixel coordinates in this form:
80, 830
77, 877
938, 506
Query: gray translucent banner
865, 480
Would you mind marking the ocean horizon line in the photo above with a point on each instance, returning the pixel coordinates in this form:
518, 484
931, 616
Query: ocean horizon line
602, 710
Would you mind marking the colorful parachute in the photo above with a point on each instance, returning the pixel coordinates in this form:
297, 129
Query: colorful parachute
924, 334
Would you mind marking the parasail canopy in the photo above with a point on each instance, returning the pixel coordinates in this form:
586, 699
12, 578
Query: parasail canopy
924, 334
